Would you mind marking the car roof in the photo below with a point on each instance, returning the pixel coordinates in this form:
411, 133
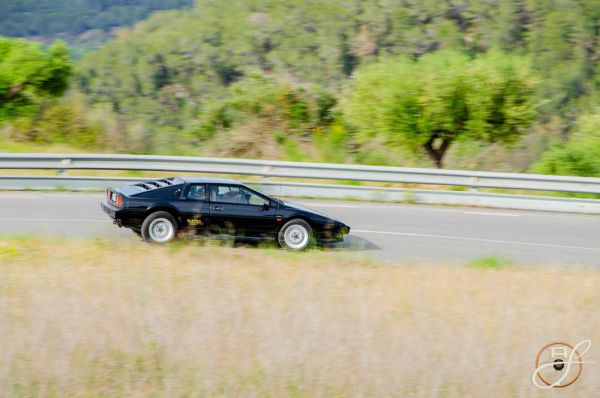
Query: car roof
209, 180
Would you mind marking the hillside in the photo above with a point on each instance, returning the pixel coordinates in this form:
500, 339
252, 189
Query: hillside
298, 80
75, 20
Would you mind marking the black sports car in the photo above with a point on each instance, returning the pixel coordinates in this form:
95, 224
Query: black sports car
160, 210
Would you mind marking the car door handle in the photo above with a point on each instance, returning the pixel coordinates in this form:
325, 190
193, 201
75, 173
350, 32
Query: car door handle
218, 208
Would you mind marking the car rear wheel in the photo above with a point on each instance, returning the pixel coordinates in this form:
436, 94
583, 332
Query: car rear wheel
159, 227
295, 235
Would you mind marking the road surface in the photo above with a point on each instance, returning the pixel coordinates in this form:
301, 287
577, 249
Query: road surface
389, 232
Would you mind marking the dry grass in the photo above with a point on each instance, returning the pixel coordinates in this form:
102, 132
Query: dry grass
99, 320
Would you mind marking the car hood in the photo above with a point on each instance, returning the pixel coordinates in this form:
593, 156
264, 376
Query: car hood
302, 208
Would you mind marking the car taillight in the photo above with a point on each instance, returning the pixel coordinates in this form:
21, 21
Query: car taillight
114, 197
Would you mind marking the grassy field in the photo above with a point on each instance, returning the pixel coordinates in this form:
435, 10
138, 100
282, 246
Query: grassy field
95, 319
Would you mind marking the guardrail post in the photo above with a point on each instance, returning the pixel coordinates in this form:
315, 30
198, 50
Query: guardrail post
65, 162
474, 187
266, 171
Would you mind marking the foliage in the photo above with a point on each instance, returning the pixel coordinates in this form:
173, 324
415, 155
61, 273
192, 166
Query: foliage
442, 97
579, 155
259, 103
58, 122
490, 263
29, 73
170, 84
173, 74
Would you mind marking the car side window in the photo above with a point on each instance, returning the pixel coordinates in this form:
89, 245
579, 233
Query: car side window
254, 199
196, 192
235, 194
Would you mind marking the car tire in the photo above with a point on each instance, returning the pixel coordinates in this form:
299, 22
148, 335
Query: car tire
295, 234
159, 227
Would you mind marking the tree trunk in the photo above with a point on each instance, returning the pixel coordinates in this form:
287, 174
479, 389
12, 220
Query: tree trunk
437, 153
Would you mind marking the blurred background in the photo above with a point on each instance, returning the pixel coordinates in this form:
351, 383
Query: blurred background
499, 85
474, 84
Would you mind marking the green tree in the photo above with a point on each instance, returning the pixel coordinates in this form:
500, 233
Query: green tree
29, 73
427, 104
580, 155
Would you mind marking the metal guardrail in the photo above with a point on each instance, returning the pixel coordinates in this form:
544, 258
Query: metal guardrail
319, 171
327, 171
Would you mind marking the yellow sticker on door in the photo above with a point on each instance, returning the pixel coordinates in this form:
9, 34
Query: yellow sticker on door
194, 221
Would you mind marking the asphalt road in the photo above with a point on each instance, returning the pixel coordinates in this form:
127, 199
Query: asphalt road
389, 232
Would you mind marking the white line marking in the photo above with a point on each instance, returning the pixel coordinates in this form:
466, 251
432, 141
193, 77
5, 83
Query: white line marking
477, 239
424, 207
53, 219
485, 213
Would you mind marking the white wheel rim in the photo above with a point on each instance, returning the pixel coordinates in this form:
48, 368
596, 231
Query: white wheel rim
296, 237
161, 230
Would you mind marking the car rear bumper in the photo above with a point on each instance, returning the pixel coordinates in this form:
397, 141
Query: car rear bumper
109, 209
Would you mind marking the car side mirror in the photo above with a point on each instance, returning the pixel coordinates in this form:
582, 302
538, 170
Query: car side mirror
266, 206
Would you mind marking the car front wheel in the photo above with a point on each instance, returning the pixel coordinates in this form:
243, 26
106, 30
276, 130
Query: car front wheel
295, 235
159, 227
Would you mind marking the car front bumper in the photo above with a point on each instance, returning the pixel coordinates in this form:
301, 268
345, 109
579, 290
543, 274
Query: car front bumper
333, 232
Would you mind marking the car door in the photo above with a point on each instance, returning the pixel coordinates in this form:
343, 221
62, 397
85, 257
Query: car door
240, 211
194, 207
